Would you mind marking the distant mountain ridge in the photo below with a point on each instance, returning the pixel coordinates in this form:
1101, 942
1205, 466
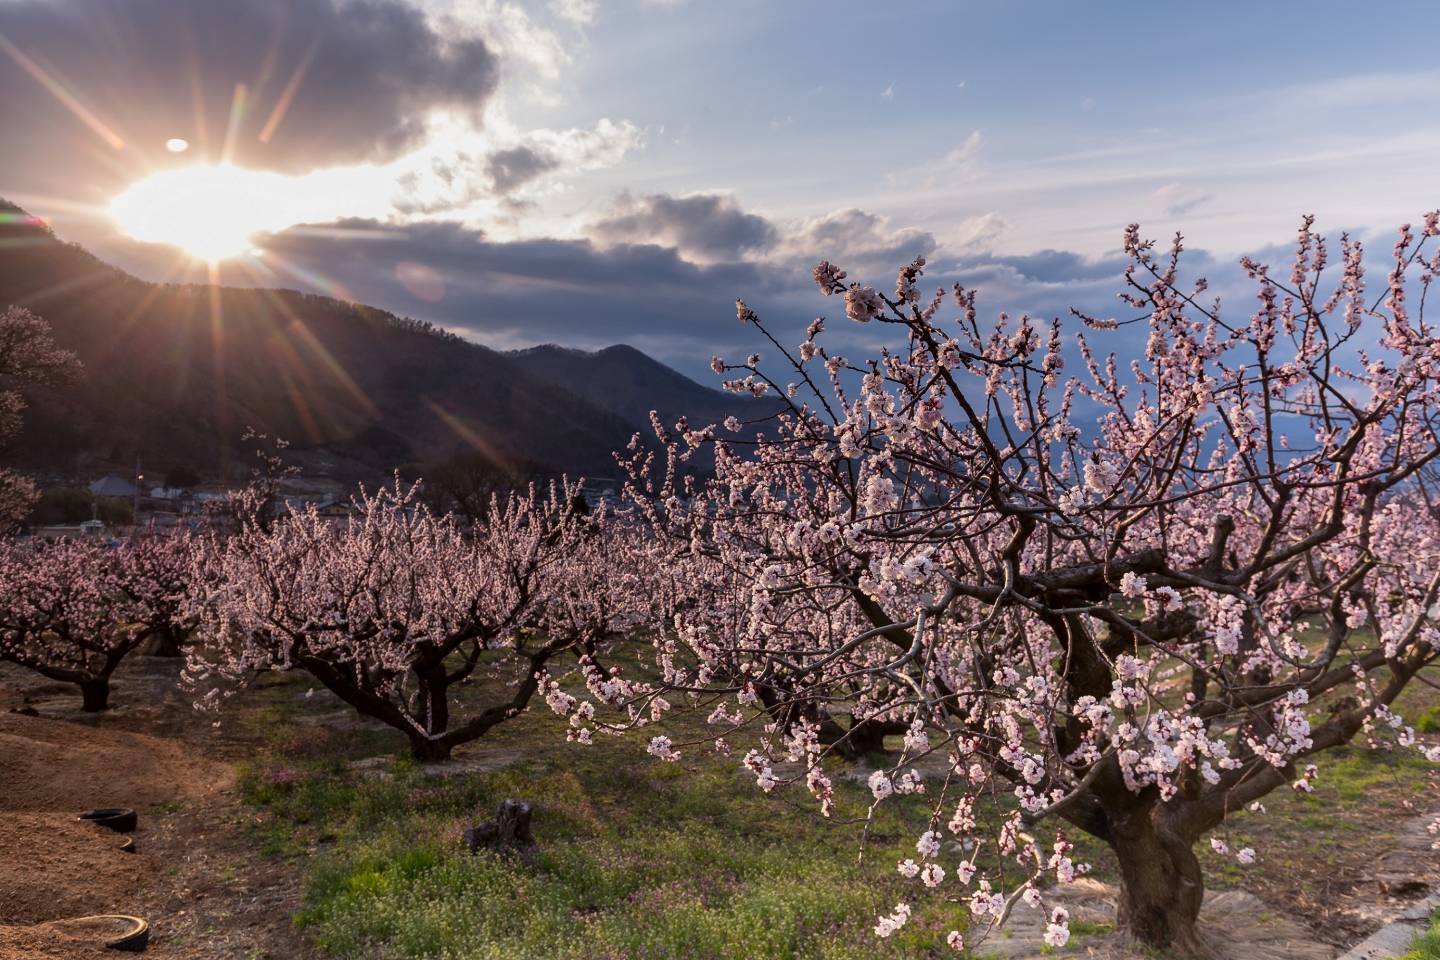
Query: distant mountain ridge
175, 373
628, 383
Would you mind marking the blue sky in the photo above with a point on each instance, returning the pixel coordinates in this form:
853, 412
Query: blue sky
1083, 111
596, 171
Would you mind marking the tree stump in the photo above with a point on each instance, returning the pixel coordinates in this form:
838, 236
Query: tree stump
508, 832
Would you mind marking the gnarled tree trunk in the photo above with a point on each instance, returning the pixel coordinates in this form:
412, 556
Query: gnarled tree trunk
95, 695
428, 749
1161, 886
165, 642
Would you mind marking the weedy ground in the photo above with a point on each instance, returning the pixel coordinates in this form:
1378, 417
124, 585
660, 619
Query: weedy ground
1427, 945
636, 858
644, 859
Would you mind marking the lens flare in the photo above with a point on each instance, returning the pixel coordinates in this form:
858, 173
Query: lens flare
213, 212
177, 145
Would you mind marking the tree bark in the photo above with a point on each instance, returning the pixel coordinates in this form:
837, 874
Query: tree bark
1161, 885
95, 695
428, 749
163, 643
860, 739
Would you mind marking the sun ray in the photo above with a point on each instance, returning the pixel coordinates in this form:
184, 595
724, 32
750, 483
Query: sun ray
291, 368
201, 134
300, 331
465, 432
288, 94
318, 281
223, 428
232, 128
57, 90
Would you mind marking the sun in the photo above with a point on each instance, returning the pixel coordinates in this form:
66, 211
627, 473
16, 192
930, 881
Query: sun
213, 212
210, 212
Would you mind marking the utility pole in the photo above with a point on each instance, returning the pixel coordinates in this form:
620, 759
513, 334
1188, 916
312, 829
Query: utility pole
135, 506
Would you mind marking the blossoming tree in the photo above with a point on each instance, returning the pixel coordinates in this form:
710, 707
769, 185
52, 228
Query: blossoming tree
28, 357
74, 609
397, 606
1128, 601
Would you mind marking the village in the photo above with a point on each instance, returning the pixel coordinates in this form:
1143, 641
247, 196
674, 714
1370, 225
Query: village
113, 506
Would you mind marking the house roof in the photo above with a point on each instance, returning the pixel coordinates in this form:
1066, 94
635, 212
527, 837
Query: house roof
112, 486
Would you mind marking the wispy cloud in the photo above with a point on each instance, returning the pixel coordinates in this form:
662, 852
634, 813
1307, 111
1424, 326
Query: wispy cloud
1177, 199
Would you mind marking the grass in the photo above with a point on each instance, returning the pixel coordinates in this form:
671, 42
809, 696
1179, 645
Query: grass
640, 859
1427, 944
637, 858
1429, 721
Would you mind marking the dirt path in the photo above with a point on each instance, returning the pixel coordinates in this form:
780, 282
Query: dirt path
207, 894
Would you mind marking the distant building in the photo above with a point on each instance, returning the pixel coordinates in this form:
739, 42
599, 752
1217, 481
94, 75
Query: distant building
336, 513
112, 486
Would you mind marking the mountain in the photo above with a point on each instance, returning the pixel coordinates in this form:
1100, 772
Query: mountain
629, 384
176, 373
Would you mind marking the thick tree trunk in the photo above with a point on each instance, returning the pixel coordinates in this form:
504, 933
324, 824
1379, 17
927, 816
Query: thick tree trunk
1161, 885
163, 643
866, 737
428, 750
432, 710
95, 695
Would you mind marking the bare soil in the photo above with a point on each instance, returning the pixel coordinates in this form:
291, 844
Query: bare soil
193, 875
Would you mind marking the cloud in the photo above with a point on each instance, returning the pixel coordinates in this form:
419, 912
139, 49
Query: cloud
445, 178
959, 164
967, 153
290, 85
707, 226
978, 233
579, 12
1177, 200
524, 292
588, 294
1057, 266
857, 240
517, 166
506, 27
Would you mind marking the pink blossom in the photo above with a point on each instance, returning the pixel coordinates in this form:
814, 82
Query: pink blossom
862, 303
1132, 585
888, 925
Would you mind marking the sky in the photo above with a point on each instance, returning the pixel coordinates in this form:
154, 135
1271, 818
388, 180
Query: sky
590, 172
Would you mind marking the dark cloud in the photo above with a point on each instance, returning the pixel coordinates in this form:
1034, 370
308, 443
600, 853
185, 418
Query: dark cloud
707, 226
517, 166
535, 291
583, 294
360, 76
